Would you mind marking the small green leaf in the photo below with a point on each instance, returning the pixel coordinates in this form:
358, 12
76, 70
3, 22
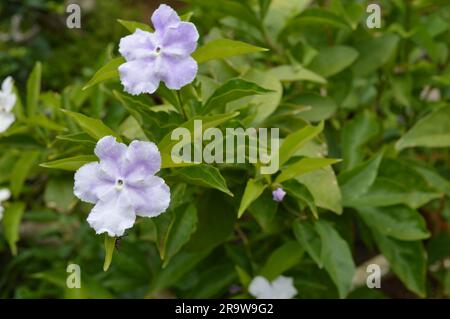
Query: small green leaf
293, 142
431, 131
398, 222
223, 48
203, 175
407, 259
281, 259
356, 182
320, 107
331, 61
11, 222
303, 166
34, 88
110, 245
252, 191
307, 236
336, 257
21, 170
133, 25
94, 127
293, 73
70, 163
300, 192
106, 72
232, 90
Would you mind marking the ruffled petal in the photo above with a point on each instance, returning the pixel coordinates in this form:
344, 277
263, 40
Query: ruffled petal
149, 198
164, 17
139, 76
138, 45
260, 288
111, 155
5, 194
91, 184
6, 120
178, 72
180, 40
283, 288
142, 160
113, 214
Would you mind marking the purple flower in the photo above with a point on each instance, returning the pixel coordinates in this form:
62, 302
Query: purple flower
122, 185
164, 55
278, 194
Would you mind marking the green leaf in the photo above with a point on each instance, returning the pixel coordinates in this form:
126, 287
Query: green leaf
294, 73
303, 166
407, 260
398, 222
70, 163
374, 53
264, 209
300, 192
232, 90
431, 131
182, 227
253, 190
309, 238
107, 72
331, 61
321, 107
315, 16
357, 181
323, 185
11, 222
21, 170
110, 245
167, 143
203, 175
355, 134
336, 257
93, 127
34, 89
133, 25
294, 141
387, 192
281, 259
223, 48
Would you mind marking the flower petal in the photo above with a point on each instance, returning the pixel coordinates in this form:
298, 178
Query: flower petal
113, 214
138, 45
91, 184
7, 85
6, 120
142, 160
164, 17
5, 194
180, 40
283, 288
150, 198
260, 288
139, 76
111, 155
178, 72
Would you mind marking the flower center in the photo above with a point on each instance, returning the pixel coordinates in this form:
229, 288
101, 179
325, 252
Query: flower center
158, 50
119, 183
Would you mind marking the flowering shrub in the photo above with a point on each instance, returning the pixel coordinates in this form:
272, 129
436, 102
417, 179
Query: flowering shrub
115, 174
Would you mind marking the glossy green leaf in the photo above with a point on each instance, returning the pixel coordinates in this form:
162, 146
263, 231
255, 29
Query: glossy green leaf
11, 221
107, 72
281, 259
293, 73
34, 89
110, 245
70, 163
21, 171
309, 239
94, 127
331, 61
301, 193
303, 166
253, 190
133, 25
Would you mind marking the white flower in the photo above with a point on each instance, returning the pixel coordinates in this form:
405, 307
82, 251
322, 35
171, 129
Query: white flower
4, 195
281, 288
7, 102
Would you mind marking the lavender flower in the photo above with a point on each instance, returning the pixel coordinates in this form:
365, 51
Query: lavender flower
122, 185
281, 288
164, 55
7, 102
5, 194
278, 194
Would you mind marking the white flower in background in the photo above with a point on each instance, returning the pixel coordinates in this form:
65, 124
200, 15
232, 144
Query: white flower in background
7, 102
4, 195
281, 288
